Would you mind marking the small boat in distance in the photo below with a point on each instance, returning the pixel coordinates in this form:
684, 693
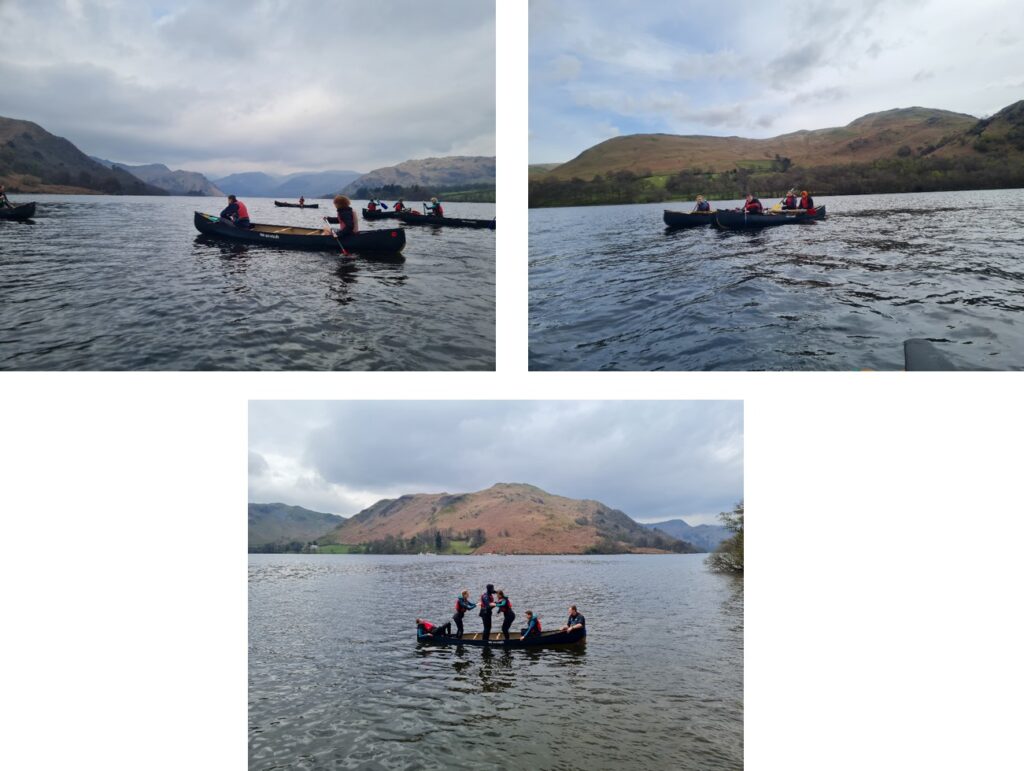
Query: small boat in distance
20, 212
515, 640
415, 218
297, 205
379, 244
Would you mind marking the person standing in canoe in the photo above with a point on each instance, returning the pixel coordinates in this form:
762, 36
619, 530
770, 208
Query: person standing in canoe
806, 202
504, 606
702, 205
236, 213
532, 625
4, 203
348, 225
753, 205
486, 608
576, 620
462, 604
435, 207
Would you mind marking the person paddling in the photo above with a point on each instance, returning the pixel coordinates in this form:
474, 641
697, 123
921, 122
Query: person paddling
4, 203
576, 620
399, 205
486, 609
504, 606
435, 208
462, 604
348, 224
235, 212
790, 201
753, 205
302, 201
702, 205
532, 625
806, 202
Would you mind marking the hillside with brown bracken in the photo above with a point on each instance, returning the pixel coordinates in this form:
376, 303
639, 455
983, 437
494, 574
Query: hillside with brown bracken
515, 518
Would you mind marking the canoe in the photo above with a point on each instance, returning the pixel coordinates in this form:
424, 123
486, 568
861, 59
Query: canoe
737, 220
376, 215
412, 218
381, 244
685, 219
515, 640
21, 212
298, 205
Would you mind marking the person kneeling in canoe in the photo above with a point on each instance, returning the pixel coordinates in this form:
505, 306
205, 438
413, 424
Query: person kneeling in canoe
576, 620
348, 225
504, 606
702, 205
532, 625
236, 213
462, 604
753, 205
806, 202
425, 629
436, 210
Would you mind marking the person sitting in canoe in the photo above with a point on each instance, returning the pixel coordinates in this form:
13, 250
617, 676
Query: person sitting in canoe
702, 205
753, 205
399, 205
435, 207
347, 223
302, 201
790, 201
486, 608
504, 605
806, 202
462, 604
532, 625
576, 620
425, 629
4, 203
236, 213
371, 206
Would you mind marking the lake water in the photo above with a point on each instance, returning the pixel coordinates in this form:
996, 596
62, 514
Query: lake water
337, 680
611, 289
113, 283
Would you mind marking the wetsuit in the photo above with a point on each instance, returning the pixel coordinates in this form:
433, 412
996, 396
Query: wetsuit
3, 200
703, 206
435, 209
347, 224
532, 629
753, 206
426, 629
486, 606
576, 618
505, 606
237, 213
461, 606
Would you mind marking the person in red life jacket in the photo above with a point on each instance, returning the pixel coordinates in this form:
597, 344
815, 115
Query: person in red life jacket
753, 205
462, 604
302, 201
486, 608
576, 620
504, 605
425, 629
371, 206
236, 213
790, 201
532, 625
436, 210
348, 224
702, 205
399, 205
806, 202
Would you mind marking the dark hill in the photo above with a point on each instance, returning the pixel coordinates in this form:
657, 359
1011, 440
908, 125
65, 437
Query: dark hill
279, 524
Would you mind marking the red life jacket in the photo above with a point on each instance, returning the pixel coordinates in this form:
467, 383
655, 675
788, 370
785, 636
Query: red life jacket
806, 202
753, 206
536, 621
438, 210
428, 627
790, 202
508, 606
371, 206
243, 213
399, 206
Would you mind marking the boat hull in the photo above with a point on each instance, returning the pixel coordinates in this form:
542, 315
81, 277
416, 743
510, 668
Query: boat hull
683, 219
379, 244
376, 215
297, 205
411, 218
731, 220
21, 212
543, 640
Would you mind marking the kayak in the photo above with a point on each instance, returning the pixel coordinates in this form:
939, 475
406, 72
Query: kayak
414, 218
685, 219
737, 220
380, 244
21, 212
298, 205
920, 355
515, 639
377, 215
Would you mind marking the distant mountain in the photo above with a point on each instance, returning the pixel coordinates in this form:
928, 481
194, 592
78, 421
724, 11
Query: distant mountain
704, 537
280, 524
451, 173
506, 518
174, 182
32, 160
311, 184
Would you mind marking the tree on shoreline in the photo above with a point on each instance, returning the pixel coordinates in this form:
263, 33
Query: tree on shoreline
728, 557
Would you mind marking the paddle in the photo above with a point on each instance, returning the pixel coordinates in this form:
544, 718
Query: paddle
344, 251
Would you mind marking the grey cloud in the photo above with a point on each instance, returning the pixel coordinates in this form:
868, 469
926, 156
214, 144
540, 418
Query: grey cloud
827, 94
799, 59
257, 464
923, 75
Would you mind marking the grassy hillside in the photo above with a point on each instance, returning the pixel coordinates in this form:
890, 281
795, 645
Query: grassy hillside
278, 524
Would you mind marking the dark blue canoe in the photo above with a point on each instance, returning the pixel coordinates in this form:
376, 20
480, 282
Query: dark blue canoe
685, 219
515, 640
22, 212
737, 220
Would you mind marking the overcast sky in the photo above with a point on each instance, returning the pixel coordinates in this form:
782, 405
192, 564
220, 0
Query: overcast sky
274, 85
601, 68
653, 460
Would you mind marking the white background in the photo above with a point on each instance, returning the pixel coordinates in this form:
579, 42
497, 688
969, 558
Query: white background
883, 590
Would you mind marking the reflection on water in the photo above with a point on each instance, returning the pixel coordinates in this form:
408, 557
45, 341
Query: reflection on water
611, 289
337, 679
